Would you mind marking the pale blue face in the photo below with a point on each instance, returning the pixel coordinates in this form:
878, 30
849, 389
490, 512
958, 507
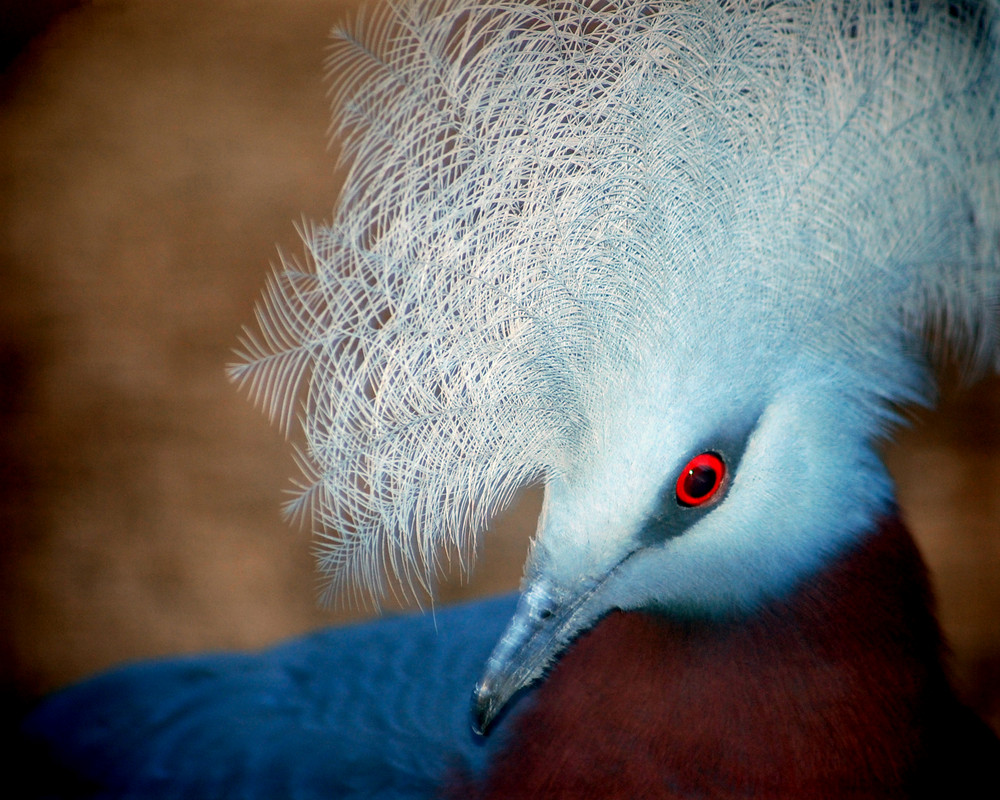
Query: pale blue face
800, 482
801, 479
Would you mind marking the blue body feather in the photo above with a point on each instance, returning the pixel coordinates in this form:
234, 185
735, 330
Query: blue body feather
379, 710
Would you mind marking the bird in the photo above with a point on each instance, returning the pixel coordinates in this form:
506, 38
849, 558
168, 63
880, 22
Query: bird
684, 263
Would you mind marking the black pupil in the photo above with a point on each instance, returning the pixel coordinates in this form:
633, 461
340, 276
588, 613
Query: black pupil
699, 481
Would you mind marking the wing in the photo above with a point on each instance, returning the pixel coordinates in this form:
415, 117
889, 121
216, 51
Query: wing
379, 710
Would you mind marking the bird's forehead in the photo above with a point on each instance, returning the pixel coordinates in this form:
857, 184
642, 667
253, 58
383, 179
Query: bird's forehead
684, 390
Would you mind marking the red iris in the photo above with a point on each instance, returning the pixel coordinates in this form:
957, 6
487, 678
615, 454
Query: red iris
700, 479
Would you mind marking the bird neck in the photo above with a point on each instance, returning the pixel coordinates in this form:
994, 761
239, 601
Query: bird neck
825, 693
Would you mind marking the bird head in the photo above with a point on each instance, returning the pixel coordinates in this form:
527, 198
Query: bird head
676, 261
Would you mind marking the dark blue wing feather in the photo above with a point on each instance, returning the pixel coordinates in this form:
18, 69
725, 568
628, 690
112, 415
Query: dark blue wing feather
379, 710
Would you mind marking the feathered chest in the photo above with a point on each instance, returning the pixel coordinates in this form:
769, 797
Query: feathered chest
837, 691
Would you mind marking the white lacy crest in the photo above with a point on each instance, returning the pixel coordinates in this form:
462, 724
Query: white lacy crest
545, 199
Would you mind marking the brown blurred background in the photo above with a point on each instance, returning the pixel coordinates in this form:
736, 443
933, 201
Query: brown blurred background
154, 154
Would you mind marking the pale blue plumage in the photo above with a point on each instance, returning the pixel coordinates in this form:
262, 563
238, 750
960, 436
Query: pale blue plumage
566, 224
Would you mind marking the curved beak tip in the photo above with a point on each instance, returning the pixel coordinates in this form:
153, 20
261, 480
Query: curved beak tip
484, 708
534, 637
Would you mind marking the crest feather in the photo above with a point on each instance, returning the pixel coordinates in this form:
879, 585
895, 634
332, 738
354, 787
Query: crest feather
545, 199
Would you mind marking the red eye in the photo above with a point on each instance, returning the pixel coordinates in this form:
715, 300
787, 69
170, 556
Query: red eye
700, 479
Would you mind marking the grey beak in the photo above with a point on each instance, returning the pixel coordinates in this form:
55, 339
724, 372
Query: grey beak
545, 622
